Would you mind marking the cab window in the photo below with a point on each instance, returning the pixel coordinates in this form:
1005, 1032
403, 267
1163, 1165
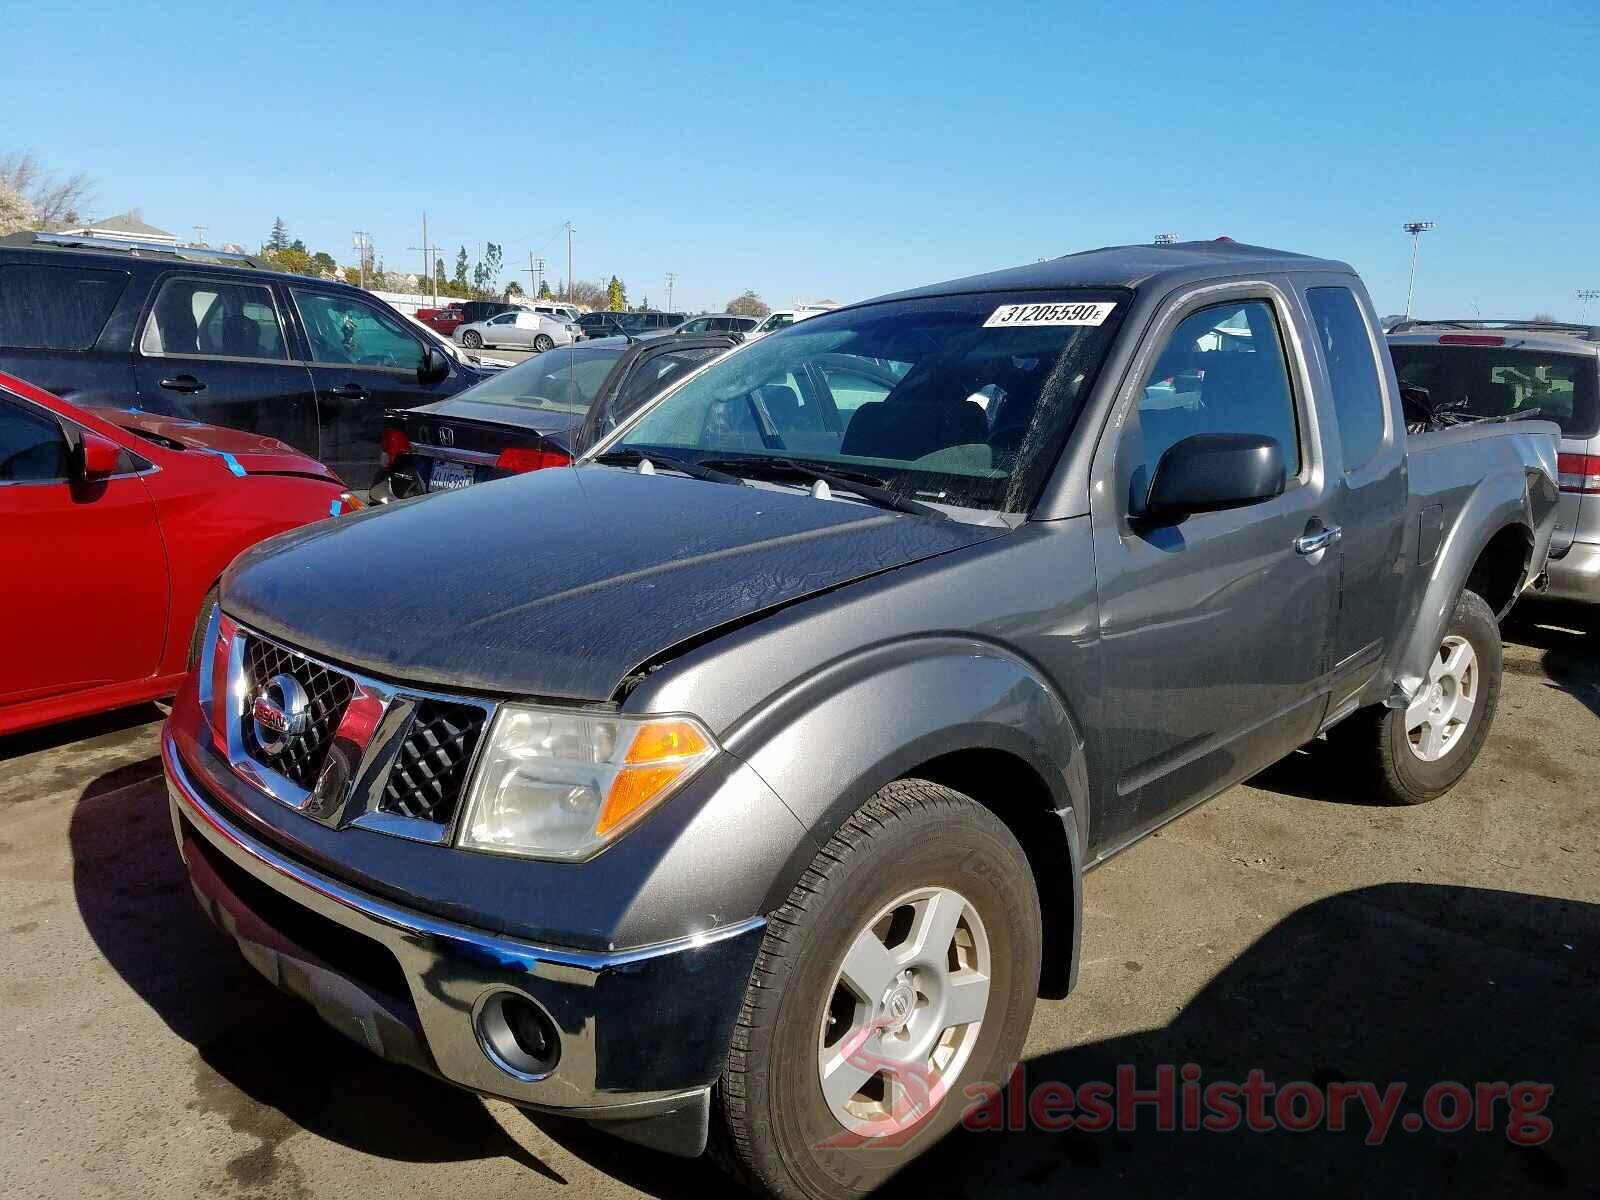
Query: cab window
1222, 371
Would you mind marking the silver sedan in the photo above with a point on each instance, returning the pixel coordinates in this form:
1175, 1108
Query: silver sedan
521, 329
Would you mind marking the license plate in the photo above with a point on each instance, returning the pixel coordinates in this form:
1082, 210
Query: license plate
448, 476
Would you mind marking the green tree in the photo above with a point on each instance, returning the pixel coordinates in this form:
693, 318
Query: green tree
747, 304
460, 279
513, 289
544, 290
325, 262
439, 280
616, 295
493, 260
280, 236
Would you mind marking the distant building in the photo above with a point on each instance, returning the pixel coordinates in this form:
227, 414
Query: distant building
125, 227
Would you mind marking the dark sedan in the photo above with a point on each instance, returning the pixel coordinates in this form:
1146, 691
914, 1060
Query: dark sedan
537, 414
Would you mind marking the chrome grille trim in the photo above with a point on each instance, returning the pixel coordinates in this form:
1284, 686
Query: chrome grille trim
372, 729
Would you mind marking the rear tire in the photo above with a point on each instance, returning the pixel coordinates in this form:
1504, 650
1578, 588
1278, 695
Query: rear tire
472, 340
1411, 756
922, 896
542, 343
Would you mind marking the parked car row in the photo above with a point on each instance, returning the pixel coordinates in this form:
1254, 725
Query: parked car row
208, 336
732, 771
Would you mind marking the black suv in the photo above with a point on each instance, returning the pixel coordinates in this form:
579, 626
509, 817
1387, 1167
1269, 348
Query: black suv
619, 324
215, 337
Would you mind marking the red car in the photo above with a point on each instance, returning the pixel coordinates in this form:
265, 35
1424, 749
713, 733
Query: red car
114, 528
444, 320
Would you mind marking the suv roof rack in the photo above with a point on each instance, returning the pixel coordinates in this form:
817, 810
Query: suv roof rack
138, 249
1590, 333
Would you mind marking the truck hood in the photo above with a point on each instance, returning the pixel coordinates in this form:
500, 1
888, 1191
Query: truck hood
251, 453
562, 582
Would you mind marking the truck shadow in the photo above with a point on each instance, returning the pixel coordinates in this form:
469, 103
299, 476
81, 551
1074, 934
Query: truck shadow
263, 1062
1408, 983
1568, 636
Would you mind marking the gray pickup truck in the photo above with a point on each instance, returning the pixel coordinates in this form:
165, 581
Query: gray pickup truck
736, 784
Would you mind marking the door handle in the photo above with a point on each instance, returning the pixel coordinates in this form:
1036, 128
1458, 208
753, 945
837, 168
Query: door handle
183, 383
348, 391
1310, 543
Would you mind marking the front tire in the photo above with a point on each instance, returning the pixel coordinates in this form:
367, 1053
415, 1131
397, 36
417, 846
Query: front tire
901, 970
1419, 753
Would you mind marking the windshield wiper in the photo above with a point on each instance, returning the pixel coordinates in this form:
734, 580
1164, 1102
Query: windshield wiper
868, 487
683, 466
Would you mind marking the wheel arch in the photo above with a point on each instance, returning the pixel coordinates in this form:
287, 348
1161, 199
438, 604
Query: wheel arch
982, 721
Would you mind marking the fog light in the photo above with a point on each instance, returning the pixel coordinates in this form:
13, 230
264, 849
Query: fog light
518, 1036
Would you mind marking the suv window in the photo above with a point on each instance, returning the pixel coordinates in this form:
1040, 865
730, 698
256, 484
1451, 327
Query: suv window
56, 308
1222, 371
214, 318
343, 329
1488, 381
32, 447
1352, 372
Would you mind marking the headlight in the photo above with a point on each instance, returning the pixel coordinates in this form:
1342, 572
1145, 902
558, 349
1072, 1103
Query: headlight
558, 784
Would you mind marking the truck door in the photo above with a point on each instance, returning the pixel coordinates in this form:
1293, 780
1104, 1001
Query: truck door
212, 348
1368, 472
1214, 628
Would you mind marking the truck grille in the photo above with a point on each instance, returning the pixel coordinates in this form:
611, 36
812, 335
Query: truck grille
430, 770
329, 692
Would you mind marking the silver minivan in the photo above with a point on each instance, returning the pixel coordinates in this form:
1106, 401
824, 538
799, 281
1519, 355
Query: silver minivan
1502, 368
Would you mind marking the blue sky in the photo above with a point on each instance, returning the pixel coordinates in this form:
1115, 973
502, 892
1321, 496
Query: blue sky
814, 149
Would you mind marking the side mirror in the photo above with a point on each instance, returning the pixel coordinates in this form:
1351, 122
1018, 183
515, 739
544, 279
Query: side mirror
1212, 471
93, 457
435, 365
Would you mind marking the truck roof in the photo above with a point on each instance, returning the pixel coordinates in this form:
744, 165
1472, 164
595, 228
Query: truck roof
1132, 267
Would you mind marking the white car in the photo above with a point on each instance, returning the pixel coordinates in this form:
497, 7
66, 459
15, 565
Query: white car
519, 329
779, 317
565, 313
455, 352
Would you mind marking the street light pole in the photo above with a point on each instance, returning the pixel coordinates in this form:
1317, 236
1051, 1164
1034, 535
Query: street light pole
1416, 229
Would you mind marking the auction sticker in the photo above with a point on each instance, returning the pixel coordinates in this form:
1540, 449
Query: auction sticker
1087, 312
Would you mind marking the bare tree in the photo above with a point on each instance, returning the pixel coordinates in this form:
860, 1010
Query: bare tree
589, 294
55, 201
748, 304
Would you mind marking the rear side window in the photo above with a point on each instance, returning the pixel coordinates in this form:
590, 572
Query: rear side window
214, 318
654, 374
1490, 381
32, 447
1352, 371
1222, 371
56, 308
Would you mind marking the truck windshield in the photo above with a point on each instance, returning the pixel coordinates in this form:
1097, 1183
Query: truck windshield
956, 400
1487, 381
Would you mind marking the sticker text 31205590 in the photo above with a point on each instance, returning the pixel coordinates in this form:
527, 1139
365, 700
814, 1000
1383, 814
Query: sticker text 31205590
1084, 312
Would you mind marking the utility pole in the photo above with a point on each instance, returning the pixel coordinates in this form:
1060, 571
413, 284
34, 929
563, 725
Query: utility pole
1586, 297
200, 236
570, 232
427, 249
1416, 229
361, 240
672, 278
535, 274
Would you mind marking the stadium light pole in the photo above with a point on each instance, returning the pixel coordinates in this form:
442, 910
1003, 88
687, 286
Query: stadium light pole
1416, 229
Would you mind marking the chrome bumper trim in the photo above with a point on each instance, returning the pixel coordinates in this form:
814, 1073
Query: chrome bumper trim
450, 967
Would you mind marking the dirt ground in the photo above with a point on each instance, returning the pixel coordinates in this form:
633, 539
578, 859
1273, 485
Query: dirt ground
1293, 926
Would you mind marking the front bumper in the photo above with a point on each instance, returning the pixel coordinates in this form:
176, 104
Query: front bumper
642, 1033
1576, 575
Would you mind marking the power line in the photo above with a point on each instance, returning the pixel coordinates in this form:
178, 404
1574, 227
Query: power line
427, 260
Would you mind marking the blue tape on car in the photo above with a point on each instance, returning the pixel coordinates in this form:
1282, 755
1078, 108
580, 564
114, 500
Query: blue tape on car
233, 463
333, 509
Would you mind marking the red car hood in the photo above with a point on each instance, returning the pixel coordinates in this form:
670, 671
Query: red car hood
255, 453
